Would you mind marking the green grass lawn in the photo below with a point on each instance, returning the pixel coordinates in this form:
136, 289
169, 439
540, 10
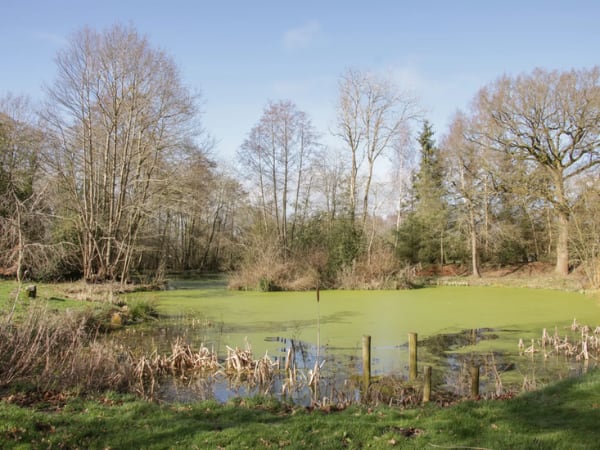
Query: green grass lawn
561, 416
53, 295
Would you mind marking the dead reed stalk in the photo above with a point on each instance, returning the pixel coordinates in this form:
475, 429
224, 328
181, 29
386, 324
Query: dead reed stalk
584, 347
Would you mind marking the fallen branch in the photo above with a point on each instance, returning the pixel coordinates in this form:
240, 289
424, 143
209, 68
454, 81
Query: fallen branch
459, 446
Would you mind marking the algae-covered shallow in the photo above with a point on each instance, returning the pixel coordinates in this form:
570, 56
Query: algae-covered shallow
387, 316
207, 313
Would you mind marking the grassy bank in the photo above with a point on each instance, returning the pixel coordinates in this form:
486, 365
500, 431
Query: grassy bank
562, 416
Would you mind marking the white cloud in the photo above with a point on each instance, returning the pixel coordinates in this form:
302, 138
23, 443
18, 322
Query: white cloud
51, 38
302, 36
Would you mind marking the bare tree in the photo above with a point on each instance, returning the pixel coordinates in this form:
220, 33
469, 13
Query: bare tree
403, 163
331, 184
277, 156
585, 238
372, 115
26, 249
465, 175
20, 144
194, 227
116, 113
174, 236
549, 121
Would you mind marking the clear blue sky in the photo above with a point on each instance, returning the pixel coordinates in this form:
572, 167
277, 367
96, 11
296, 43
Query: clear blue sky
241, 54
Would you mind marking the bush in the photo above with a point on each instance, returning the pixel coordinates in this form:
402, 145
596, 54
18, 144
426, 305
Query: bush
141, 310
267, 285
381, 270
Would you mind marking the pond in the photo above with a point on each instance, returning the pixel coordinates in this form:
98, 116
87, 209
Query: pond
456, 326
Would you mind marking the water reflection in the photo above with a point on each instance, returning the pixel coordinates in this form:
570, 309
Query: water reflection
450, 354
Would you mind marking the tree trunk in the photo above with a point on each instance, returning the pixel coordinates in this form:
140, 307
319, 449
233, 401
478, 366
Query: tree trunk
353, 176
398, 223
474, 258
366, 195
562, 244
441, 251
561, 208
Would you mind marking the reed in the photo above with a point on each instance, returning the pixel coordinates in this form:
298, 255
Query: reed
582, 344
46, 351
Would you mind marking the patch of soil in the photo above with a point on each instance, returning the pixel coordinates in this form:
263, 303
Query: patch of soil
530, 275
457, 270
447, 270
526, 269
407, 432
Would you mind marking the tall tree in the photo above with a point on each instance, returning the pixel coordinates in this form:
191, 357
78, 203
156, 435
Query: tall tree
277, 157
549, 121
466, 179
116, 112
20, 145
175, 237
20, 210
330, 184
586, 235
372, 115
402, 175
430, 207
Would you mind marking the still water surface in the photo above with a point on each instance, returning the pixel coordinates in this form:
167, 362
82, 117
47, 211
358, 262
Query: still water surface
456, 326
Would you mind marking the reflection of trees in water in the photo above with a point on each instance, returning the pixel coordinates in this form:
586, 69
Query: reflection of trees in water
451, 354
456, 366
440, 344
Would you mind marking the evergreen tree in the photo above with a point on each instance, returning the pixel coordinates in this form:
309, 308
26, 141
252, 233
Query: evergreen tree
430, 219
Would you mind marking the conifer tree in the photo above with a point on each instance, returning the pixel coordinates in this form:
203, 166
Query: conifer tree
430, 206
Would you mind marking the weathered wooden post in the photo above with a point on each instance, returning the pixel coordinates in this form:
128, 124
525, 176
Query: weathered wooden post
412, 356
427, 385
31, 291
366, 360
474, 381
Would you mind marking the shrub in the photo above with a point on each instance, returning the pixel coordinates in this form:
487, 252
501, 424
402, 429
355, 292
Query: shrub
381, 270
141, 310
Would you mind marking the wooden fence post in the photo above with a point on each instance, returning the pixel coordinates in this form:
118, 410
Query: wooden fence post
474, 381
31, 291
412, 356
366, 362
427, 385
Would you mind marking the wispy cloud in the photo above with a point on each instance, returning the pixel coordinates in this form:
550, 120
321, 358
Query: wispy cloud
50, 38
302, 36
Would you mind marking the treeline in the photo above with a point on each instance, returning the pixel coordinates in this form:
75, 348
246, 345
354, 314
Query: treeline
113, 179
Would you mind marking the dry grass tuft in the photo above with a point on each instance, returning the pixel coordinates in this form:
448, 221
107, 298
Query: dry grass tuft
380, 270
58, 352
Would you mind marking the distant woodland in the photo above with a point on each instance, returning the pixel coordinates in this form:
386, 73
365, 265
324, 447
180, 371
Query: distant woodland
114, 178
